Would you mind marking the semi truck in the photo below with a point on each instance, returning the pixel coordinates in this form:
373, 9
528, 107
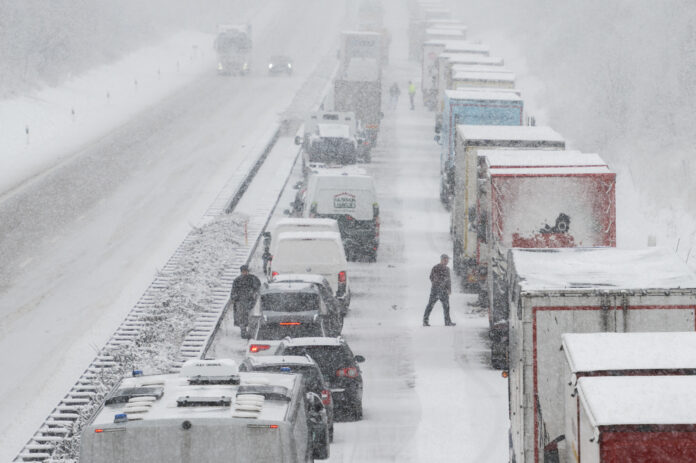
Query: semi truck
233, 45
466, 78
358, 88
429, 64
460, 181
535, 199
580, 290
416, 33
591, 355
361, 45
445, 62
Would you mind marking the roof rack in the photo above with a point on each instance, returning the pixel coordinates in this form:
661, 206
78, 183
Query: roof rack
219, 401
130, 393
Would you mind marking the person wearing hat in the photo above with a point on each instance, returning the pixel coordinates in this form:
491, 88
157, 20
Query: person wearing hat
245, 289
440, 290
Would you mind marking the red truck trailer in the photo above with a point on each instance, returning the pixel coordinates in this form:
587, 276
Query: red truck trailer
637, 419
536, 199
590, 355
580, 290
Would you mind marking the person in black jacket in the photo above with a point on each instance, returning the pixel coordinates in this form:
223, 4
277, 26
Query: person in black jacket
440, 290
245, 289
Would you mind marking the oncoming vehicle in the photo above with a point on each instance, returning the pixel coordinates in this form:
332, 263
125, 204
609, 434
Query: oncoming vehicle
294, 309
279, 64
348, 197
315, 253
339, 367
314, 381
209, 411
233, 46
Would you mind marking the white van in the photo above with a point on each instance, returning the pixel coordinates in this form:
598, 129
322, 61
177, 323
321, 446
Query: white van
313, 252
210, 412
303, 225
347, 196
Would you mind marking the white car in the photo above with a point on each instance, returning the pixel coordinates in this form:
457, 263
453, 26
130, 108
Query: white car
321, 253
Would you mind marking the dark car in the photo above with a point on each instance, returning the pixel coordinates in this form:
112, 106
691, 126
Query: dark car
322, 284
293, 309
339, 367
280, 64
314, 380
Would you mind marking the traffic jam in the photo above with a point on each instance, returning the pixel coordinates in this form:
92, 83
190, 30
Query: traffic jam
587, 350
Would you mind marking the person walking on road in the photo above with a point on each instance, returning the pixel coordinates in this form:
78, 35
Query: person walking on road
245, 289
394, 93
440, 290
412, 93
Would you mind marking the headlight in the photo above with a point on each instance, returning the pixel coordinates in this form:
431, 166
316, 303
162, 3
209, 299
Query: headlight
220, 66
246, 66
270, 66
290, 65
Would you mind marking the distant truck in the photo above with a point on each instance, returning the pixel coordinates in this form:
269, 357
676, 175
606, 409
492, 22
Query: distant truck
364, 44
417, 35
636, 419
535, 199
590, 355
471, 142
471, 107
358, 88
445, 62
233, 45
429, 65
580, 290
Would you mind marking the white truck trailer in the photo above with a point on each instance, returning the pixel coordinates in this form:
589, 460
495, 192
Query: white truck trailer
445, 62
209, 412
637, 419
590, 355
461, 180
536, 199
580, 290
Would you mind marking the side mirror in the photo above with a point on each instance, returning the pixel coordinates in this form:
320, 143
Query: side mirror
437, 138
298, 140
359, 358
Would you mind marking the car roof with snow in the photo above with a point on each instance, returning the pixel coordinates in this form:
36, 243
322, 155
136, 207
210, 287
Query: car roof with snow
301, 277
594, 269
313, 341
637, 400
482, 95
281, 360
512, 158
510, 135
160, 397
592, 352
333, 130
289, 287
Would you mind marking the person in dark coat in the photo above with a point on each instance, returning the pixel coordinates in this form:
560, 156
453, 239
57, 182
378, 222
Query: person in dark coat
440, 290
244, 292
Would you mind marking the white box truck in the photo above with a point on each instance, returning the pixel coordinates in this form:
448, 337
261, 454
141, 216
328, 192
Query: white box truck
590, 355
209, 412
580, 290
461, 177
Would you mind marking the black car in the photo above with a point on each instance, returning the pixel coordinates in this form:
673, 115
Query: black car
339, 367
293, 309
279, 64
314, 380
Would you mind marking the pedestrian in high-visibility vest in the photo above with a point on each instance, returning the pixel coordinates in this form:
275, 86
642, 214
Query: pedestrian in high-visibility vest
411, 93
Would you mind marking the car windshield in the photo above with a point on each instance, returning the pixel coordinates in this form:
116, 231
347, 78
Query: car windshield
289, 302
312, 380
329, 358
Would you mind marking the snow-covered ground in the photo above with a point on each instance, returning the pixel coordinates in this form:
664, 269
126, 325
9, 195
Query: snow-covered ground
84, 236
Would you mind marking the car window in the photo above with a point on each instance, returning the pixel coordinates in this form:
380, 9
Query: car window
312, 380
289, 302
329, 358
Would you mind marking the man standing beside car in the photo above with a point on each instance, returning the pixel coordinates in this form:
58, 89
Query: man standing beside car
440, 290
244, 290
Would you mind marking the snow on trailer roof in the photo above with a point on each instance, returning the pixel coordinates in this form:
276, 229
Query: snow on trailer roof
512, 158
309, 235
471, 58
296, 221
502, 76
554, 171
589, 352
479, 67
601, 269
510, 135
639, 400
482, 94
459, 46
451, 32
172, 387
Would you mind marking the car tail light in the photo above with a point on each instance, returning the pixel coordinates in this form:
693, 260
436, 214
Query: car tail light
254, 348
274, 274
349, 218
342, 276
98, 431
289, 323
350, 372
326, 397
